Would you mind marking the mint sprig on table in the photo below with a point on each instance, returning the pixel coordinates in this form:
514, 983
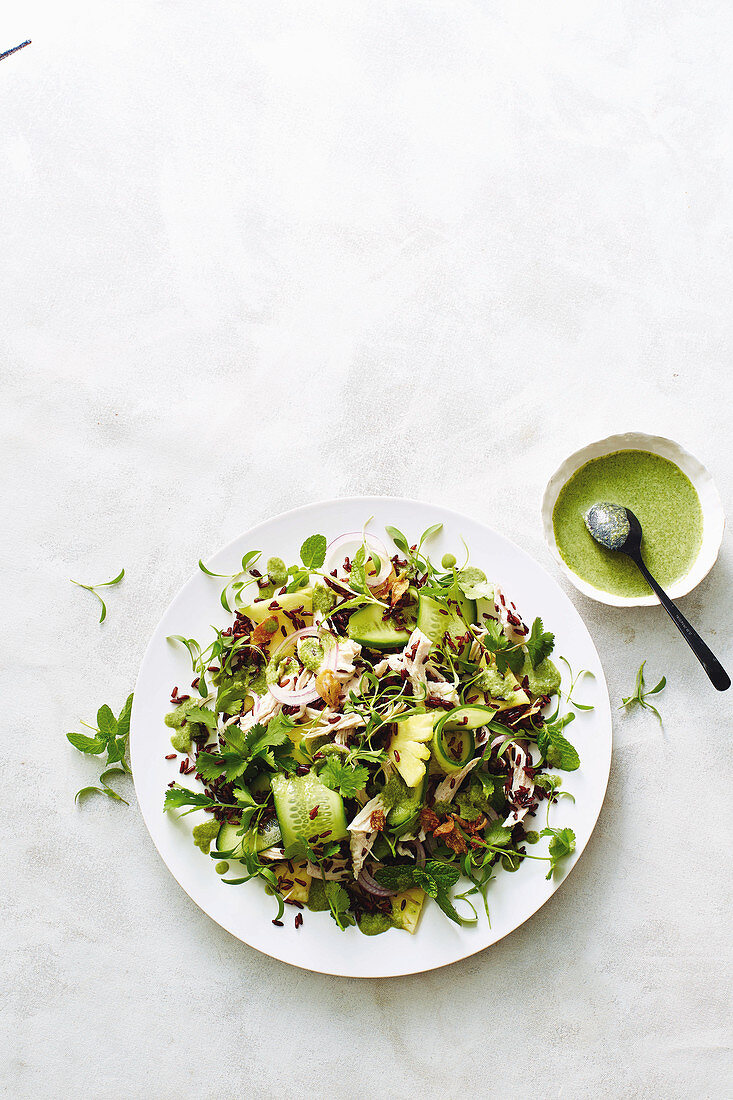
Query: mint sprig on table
109, 736
93, 589
641, 695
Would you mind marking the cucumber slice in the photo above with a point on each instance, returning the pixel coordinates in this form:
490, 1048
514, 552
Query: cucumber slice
231, 842
436, 619
296, 797
367, 627
260, 610
452, 748
467, 718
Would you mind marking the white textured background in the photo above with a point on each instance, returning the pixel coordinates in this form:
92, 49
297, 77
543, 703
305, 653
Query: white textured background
254, 254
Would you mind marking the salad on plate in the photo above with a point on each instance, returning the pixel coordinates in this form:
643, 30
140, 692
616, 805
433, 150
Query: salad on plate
373, 731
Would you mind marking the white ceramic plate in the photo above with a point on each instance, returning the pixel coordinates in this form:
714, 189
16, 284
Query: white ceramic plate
246, 911
713, 517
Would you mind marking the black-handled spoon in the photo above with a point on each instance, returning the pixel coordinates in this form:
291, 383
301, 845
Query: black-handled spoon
617, 528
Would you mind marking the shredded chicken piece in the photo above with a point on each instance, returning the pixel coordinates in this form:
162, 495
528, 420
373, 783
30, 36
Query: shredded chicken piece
362, 835
265, 707
446, 790
509, 617
443, 690
518, 760
338, 871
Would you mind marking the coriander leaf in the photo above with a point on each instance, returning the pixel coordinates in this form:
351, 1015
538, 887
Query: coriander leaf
339, 903
230, 694
242, 748
474, 584
540, 643
210, 765
562, 845
203, 715
313, 551
92, 745
177, 797
497, 836
345, 778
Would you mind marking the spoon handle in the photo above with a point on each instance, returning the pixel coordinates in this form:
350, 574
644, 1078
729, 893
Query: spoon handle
717, 674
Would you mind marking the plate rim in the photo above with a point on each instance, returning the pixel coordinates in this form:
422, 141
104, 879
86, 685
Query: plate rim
601, 683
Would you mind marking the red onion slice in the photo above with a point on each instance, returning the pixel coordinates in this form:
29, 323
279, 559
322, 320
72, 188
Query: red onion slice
287, 695
372, 886
419, 853
337, 550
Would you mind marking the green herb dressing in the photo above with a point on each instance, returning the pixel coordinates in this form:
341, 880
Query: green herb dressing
660, 495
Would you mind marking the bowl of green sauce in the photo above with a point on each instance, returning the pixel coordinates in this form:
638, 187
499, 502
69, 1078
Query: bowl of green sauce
669, 490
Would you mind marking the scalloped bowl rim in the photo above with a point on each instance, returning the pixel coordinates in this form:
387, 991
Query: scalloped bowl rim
710, 503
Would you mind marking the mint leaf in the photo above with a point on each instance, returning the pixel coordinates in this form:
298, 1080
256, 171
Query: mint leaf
540, 643
396, 878
92, 745
555, 748
313, 551
445, 878
106, 722
123, 722
436, 878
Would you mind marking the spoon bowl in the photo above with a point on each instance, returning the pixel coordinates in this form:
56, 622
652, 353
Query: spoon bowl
617, 529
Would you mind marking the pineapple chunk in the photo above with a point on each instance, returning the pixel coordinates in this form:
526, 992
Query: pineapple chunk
406, 908
409, 749
294, 892
261, 610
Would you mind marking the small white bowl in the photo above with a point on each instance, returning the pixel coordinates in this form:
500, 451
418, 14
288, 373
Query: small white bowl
712, 512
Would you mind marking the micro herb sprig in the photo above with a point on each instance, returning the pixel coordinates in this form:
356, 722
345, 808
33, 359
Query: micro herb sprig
110, 736
93, 589
574, 679
236, 582
641, 695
